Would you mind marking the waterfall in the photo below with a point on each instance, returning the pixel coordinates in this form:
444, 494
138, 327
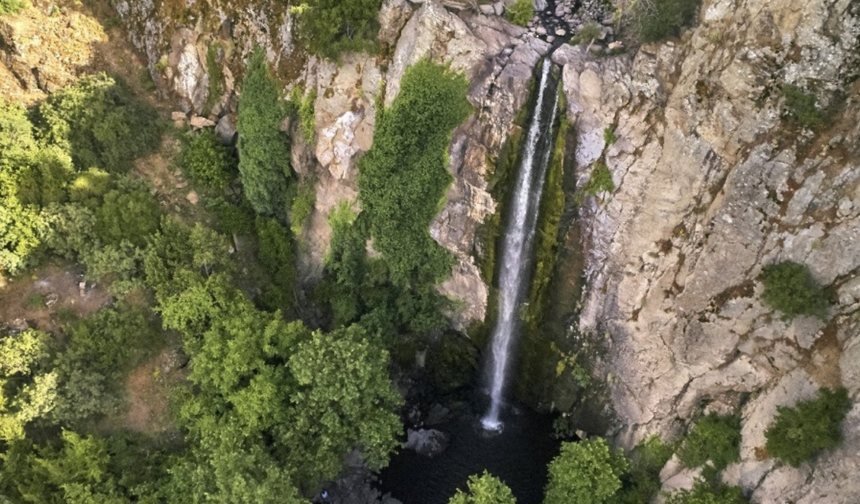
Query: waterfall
517, 246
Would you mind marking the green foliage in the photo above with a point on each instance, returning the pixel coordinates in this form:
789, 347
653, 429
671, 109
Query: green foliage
100, 123
11, 7
305, 108
68, 230
403, 178
484, 489
599, 181
89, 187
715, 438
45, 178
609, 135
127, 216
800, 433
276, 255
206, 160
331, 27
800, 108
232, 218
521, 12
120, 264
101, 351
655, 20
790, 288
216, 74
303, 206
27, 387
642, 481
263, 153
589, 32
587, 472
708, 492
343, 398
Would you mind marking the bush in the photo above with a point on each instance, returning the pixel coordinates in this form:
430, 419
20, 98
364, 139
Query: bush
206, 160
100, 123
127, 215
790, 288
11, 7
305, 108
484, 489
655, 20
800, 433
587, 472
642, 482
303, 206
609, 135
708, 492
715, 438
599, 181
404, 176
331, 27
521, 12
800, 108
263, 153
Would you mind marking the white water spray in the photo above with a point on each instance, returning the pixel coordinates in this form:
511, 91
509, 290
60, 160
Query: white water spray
516, 249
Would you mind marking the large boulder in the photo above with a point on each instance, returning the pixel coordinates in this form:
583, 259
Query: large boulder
426, 442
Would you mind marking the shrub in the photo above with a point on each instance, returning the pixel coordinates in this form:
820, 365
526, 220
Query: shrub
331, 27
88, 187
599, 181
589, 32
305, 107
708, 492
127, 215
404, 176
303, 206
521, 12
100, 123
800, 433
484, 489
800, 108
609, 135
790, 288
642, 482
216, 75
275, 252
206, 160
587, 472
11, 7
655, 20
263, 154
715, 438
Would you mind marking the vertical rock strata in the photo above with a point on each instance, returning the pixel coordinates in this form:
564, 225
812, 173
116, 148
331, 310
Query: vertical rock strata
714, 182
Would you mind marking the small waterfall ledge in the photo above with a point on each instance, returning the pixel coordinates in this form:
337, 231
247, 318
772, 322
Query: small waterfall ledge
514, 272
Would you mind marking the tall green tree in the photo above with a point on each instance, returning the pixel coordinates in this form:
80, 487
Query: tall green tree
587, 472
263, 153
484, 489
403, 177
343, 399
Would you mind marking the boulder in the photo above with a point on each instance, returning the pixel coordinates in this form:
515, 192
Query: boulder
426, 442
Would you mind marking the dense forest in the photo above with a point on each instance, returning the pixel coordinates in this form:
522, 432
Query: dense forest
263, 384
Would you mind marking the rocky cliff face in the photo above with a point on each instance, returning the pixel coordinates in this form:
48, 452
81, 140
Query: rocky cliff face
713, 184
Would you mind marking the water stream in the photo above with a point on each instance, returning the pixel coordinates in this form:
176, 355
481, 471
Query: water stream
517, 245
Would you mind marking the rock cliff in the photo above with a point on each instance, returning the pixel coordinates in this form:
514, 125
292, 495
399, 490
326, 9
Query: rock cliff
714, 182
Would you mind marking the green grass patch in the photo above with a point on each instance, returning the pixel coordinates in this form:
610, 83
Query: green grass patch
800, 433
599, 181
655, 20
11, 7
800, 108
216, 75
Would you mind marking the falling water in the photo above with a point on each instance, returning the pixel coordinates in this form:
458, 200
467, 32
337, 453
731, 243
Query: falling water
516, 249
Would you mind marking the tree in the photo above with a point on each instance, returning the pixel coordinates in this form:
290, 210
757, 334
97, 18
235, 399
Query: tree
484, 489
790, 288
263, 154
127, 215
343, 399
275, 252
331, 27
800, 433
715, 438
206, 160
27, 386
100, 123
587, 472
708, 492
404, 176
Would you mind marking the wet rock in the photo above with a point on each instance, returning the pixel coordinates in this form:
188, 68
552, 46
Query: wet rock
426, 442
226, 130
